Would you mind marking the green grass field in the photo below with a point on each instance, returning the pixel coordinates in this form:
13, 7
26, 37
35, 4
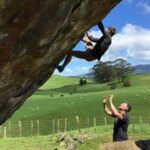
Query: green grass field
61, 98
84, 101
102, 136
57, 81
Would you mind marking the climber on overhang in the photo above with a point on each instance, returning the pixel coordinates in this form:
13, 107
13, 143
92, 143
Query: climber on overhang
92, 52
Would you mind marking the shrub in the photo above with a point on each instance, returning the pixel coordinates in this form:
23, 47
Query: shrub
84, 82
113, 86
81, 82
126, 83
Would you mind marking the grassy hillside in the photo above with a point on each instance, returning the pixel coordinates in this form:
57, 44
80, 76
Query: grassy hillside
83, 101
71, 85
86, 104
57, 81
49, 142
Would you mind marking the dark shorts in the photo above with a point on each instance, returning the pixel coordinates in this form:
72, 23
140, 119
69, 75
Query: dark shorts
88, 55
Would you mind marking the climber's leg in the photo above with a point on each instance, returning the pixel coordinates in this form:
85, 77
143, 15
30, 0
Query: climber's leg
86, 55
66, 62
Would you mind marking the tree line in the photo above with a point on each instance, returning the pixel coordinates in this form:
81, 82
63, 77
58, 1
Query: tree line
118, 69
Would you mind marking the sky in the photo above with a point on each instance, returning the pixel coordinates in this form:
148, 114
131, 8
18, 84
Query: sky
131, 18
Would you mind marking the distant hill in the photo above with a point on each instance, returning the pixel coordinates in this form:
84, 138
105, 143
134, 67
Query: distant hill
87, 75
74, 80
142, 69
61, 81
57, 81
139, 69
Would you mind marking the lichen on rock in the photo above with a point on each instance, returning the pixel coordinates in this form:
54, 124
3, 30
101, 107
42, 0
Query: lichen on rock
36, 35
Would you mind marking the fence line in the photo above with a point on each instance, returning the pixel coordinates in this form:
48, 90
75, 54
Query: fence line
78, 124
95, 129
43, 127
65, 125
141, 124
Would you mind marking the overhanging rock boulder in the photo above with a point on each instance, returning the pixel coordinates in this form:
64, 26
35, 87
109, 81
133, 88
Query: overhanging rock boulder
35, 35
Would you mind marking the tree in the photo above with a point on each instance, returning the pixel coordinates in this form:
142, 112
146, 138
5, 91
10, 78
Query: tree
108, 71
84, 82
81, 82
103, 72
122, 69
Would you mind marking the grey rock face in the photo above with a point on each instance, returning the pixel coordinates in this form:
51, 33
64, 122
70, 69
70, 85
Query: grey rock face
34, 36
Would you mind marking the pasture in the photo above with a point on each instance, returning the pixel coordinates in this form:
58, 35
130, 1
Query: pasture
52, 104
38, 118
86, 101
91, 141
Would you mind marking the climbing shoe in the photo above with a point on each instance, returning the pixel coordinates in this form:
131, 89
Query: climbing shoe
60, 68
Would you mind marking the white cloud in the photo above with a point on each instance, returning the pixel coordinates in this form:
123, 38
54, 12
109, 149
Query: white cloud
75, 71
96, 34
132, 42
134, 39
145, 5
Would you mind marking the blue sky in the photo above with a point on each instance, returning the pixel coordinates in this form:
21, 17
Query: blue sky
131, 18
